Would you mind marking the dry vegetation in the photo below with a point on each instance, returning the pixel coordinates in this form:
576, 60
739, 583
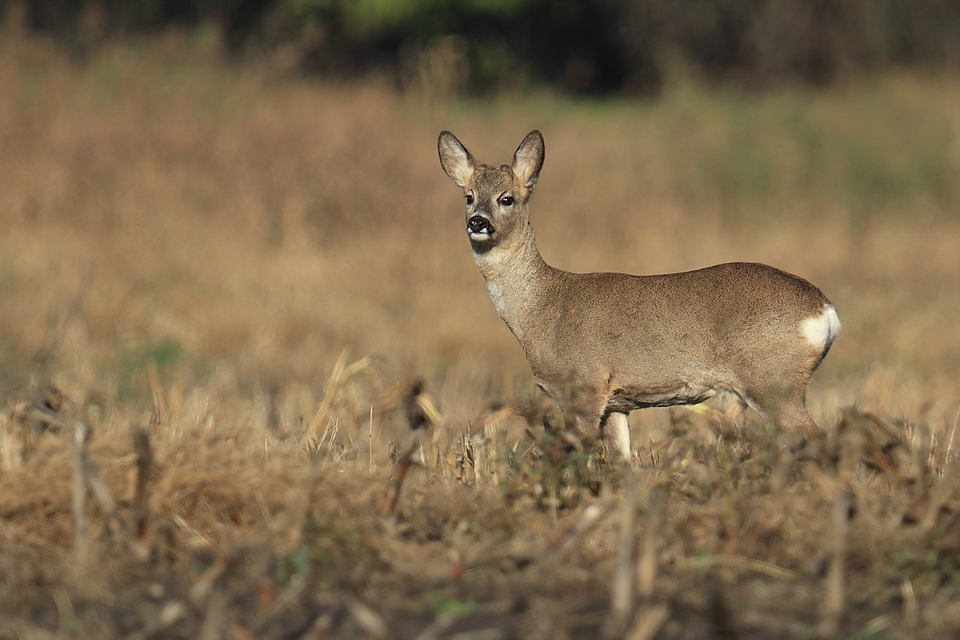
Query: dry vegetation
187, 249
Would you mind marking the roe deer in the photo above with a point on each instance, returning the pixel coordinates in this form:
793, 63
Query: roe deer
603, 344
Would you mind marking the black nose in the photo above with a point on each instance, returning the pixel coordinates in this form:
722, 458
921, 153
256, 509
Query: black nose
479, 224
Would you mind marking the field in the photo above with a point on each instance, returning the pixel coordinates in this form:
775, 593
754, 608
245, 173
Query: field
233, 277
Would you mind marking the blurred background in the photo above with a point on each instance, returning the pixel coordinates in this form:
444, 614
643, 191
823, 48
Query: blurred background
223, 195
626, 47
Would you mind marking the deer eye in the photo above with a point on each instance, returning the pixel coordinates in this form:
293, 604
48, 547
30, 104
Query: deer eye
469, 198
506, 201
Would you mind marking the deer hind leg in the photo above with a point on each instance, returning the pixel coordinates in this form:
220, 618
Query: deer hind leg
793, 417
616, 435
785, 408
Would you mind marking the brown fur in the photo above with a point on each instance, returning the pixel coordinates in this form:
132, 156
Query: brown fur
607, 343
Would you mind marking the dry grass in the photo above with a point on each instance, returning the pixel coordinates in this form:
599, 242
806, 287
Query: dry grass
187, 248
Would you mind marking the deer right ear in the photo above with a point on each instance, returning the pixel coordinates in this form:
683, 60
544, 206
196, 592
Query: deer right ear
455, 159
528, 159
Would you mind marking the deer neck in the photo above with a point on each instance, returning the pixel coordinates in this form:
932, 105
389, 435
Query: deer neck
517, 278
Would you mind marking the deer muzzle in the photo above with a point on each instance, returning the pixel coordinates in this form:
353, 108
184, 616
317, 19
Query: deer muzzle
479, 225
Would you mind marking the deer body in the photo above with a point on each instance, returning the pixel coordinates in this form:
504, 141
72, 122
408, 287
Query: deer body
603, 344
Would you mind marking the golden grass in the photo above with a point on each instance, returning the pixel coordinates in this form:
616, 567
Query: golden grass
188, 248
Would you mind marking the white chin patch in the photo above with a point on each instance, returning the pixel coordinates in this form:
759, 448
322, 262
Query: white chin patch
479, 237
822, 330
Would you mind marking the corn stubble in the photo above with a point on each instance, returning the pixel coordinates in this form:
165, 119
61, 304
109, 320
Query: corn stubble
255, 388
202, 531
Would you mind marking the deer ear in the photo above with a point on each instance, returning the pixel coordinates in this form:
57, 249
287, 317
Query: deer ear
455, 159
528, 160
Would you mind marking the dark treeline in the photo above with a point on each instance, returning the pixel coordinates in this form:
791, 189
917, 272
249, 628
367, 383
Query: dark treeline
580, 46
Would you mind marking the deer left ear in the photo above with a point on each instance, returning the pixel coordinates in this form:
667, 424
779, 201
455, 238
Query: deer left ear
455, 159
528, 159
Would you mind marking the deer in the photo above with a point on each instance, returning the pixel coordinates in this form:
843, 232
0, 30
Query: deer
601, 345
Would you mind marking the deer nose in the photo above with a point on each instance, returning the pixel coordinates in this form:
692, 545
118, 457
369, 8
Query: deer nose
479, 224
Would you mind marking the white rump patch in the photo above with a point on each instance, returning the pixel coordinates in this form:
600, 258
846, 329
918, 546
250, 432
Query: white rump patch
822, 330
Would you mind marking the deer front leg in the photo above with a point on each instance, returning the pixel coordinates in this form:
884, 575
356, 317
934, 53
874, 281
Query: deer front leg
587, 418
616, 436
